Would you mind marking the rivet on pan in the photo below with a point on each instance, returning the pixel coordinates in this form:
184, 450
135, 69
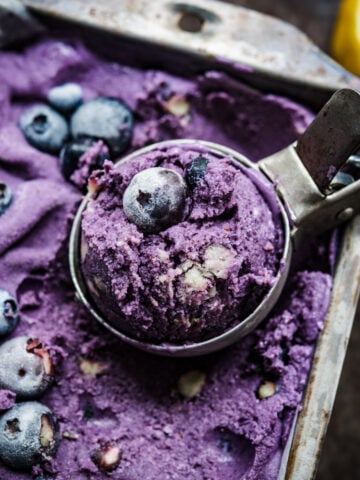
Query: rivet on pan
345, 214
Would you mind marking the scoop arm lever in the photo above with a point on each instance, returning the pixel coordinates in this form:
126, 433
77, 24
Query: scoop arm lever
303, 171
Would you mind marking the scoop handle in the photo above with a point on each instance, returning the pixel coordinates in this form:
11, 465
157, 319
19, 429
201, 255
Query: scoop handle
332, 137
302, 172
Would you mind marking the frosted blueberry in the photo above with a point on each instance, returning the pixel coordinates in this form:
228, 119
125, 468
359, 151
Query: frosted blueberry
9, 314
104, 119
44, 128
195, 171
155, 199
28, 435
26, 367
65, 97
5, 197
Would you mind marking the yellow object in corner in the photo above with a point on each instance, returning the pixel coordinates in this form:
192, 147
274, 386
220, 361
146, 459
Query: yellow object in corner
345, 44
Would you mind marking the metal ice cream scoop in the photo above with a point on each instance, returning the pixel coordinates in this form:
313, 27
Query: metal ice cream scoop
300, 175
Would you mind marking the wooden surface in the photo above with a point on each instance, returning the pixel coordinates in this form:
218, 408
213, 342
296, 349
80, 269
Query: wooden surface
340, 458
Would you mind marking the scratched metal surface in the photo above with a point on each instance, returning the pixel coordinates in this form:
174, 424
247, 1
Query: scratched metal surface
285, 59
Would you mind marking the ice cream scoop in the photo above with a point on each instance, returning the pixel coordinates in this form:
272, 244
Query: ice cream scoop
293, 182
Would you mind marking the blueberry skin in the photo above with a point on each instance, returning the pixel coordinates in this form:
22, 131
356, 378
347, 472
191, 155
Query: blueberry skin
9, 314
104, 119
44, 128
72, 151
195, 171
65, 98
29, 435
155, 199
26, 367
5, 197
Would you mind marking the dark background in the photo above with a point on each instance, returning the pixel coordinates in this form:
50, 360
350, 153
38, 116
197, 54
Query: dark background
340, 458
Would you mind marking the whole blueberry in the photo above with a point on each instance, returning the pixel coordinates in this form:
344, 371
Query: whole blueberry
9, 314
28, 435
72, 151
155, 199
44, 128
26, 367
66, 97
195, 171
5, 197
104, 118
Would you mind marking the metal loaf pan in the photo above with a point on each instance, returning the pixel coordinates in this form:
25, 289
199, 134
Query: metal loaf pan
271, 55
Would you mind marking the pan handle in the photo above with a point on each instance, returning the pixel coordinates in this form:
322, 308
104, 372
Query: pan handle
267, 52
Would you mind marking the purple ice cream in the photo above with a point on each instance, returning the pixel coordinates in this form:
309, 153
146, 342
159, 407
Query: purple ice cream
195, 278
226, 415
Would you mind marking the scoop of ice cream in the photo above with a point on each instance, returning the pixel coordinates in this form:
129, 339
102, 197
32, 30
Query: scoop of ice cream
201, 274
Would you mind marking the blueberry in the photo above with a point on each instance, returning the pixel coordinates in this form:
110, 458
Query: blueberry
72, 151
28, 435
44, 128
65, 97
9, 314
26, 367
155, 199
105, 119
5, 197
195, 171
165, 90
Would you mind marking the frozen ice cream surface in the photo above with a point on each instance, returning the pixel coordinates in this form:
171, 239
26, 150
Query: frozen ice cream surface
196, 277
225, 415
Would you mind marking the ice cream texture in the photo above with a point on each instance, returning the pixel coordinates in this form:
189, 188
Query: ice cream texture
195, 278
203, 418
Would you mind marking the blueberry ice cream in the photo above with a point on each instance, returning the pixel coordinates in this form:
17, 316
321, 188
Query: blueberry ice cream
169, 262
122, 412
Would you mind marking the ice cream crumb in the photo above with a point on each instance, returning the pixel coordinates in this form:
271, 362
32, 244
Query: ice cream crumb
178, 106
218, 260
90, 367
190, 384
